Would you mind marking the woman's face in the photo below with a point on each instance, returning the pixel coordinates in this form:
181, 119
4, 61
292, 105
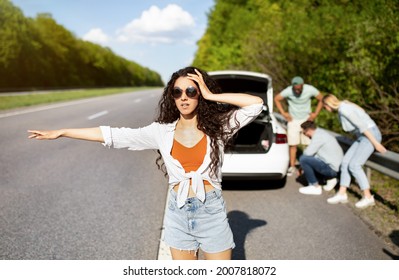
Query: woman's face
186, 96
328, 108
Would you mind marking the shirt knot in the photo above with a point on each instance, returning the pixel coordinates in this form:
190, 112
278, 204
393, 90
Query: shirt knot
197, 184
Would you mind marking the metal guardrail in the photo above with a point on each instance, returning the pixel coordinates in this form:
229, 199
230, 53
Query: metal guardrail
387, 163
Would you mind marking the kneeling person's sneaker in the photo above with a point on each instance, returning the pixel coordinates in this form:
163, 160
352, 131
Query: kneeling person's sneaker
311, 190
365, 202
338, 198
330, 184
291, 171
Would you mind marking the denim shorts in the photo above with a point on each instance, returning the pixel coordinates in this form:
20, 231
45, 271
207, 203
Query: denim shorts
198, 224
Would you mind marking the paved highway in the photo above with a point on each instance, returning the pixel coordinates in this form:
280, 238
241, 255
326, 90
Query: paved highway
69, 199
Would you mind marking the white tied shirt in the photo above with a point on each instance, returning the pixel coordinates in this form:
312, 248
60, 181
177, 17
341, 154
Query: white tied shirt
160, 137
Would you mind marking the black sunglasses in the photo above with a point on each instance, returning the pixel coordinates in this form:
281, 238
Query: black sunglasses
190, 92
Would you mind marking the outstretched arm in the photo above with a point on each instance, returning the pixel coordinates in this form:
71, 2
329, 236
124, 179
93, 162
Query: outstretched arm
237, 99
89, 134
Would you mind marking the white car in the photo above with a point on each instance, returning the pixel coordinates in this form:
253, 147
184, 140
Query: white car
260, 150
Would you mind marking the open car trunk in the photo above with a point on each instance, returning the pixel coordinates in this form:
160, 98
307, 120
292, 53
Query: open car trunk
249, 138
256, 137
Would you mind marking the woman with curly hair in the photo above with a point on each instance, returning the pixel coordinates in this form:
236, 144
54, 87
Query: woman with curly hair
194, 124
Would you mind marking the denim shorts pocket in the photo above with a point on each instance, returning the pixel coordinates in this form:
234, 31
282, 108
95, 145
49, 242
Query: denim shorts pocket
172, 205
215, 206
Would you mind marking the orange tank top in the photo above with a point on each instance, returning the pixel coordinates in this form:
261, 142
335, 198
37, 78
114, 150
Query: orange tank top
190, 158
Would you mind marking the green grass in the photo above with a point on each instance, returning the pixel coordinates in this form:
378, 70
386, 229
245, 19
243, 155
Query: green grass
23, 100
386, 188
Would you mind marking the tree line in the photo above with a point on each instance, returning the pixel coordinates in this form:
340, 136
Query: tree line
40, 53
346, 47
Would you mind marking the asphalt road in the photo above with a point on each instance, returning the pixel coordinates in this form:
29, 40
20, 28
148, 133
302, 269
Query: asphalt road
69, 199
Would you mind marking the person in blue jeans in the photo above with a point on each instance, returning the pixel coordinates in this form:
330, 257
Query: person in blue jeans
355, 120
323, 156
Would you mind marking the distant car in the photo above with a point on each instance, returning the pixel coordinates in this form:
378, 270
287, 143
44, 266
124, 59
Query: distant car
260, 150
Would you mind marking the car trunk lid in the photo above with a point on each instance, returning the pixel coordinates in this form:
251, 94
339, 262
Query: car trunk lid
258, 136
258, 84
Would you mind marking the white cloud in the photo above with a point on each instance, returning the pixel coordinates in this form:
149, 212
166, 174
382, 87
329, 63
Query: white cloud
168, 25
96, 35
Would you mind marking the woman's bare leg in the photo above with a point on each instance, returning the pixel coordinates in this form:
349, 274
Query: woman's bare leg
225, 255
178, 254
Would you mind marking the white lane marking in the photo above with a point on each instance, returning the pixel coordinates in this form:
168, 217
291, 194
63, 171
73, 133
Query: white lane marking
138, 100
33, 110
97, 115
163, 250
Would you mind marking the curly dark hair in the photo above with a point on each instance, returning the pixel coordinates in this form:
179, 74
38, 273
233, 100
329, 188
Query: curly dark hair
212, 116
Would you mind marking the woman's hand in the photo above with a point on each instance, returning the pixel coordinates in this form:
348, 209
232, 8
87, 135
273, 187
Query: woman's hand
205, 92
380, 148
236, 99
377, 145
89, 134
44, 134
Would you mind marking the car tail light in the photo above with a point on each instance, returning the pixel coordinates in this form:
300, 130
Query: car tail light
281, 138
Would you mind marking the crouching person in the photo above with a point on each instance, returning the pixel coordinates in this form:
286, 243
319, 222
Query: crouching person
323, 156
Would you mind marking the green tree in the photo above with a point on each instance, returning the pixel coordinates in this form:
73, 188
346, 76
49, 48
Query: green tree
13, 30
349, 48
40, 53
221, 46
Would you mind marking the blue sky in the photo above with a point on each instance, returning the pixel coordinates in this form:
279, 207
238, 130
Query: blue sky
158, 34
